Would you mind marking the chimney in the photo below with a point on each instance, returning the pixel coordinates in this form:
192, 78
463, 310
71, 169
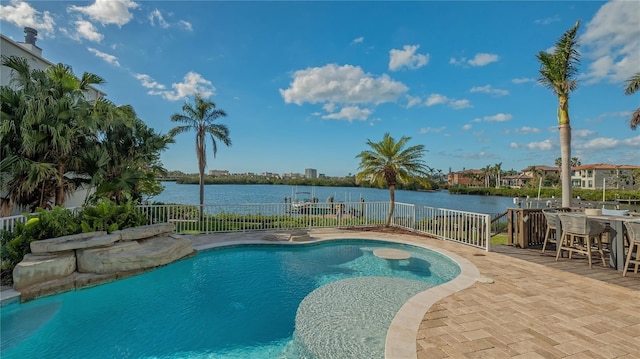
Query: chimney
30, 35
29, 43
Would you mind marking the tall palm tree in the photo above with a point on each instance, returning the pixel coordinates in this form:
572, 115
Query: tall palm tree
389, 162
498, 168
558, 72
199, 117
633, 84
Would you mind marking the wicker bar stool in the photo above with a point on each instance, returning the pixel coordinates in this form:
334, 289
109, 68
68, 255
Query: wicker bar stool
551, 216
578, 231
633, 232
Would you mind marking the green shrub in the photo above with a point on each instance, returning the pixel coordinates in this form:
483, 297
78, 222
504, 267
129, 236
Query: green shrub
43, 224
108, 216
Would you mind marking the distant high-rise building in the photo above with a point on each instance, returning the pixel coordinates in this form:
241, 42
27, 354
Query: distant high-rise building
310, 173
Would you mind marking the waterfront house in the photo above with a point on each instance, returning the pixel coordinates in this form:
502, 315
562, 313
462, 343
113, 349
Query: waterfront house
609, 176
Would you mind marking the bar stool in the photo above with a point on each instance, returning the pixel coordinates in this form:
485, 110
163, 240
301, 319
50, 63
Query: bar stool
577, 234
633, 231
551, 217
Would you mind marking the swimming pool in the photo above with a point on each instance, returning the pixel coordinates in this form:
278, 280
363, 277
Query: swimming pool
250, 301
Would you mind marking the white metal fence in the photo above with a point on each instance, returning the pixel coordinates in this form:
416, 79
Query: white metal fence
464, 227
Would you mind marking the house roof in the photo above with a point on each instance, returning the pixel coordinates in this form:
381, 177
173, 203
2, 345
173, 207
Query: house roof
604, 166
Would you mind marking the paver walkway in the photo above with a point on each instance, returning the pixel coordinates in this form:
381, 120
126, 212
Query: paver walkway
531, 311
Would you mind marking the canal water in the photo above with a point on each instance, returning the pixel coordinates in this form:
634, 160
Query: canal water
236, 194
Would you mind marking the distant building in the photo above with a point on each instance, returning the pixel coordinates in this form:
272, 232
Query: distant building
516, 181
292, 175
595, 176
310, 173
30, 51
218, 173
466, 177
541, 171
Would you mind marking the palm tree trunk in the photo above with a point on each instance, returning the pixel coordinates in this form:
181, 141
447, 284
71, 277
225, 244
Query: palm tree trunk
392, 204
60, 186
565, 149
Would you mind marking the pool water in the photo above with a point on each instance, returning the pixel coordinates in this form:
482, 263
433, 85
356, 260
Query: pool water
253, 301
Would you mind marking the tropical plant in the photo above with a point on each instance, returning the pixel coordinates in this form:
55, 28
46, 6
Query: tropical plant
558, 71
388, 163
200, 117
633, 84
58, 139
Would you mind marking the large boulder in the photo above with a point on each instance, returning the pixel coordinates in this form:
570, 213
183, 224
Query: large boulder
72, 241
126, 256
34, 269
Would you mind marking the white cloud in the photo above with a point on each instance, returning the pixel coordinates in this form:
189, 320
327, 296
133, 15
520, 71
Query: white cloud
108, 12
547, 20
156, 16
412, 101
358, 40
525, 130
581, 133
605, 143
86, 30
186, 25
467, 127
489, 90
612, 40
349, 113
329, 107
481, 59
436, 99
22, 14
459, 104
426, 130
522, 80
541, 146
500, 117
407, 58
601, 143
106, 57
149, 82
514, 145
341, 84
192, 83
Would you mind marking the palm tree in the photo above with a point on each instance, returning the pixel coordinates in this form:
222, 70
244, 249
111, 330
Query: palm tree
199, 117
45, 123
389, 162
498, 168
557, 72
633, 84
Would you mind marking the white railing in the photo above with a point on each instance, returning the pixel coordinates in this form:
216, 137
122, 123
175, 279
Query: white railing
464, 227
9, 223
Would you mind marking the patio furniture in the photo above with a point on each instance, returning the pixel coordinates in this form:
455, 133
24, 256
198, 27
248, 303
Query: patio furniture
633, 231
551, 216
580, 235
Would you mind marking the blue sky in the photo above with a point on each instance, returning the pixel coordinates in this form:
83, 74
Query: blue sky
306, 84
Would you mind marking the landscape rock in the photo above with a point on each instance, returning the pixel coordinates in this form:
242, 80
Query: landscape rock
141, 232
65, 243
34, 269
128, 256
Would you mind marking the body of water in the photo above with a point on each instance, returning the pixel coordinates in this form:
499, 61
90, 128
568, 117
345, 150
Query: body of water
232, 194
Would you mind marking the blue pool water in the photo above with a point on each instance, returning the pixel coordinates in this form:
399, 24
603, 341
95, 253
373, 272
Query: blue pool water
258, 301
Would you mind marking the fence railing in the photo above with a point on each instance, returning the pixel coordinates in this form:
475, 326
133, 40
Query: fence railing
473, 229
